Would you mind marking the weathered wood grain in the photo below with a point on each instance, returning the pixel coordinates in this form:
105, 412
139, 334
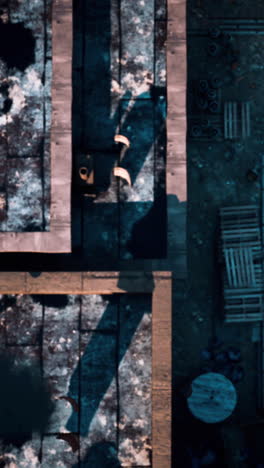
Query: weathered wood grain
161, 374
176, 134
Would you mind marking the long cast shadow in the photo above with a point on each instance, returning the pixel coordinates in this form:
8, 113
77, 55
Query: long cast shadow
99, 364
101, 455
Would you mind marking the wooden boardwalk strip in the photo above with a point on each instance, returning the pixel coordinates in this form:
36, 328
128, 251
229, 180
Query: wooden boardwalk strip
176, 135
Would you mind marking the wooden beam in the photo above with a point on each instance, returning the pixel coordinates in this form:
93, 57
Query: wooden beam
161, 373
176, 176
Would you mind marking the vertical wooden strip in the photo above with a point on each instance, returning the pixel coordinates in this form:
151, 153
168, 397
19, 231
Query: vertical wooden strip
176, 135
137, 38
161, 374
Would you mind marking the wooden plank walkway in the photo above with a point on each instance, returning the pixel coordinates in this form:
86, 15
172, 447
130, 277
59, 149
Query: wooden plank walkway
176, 175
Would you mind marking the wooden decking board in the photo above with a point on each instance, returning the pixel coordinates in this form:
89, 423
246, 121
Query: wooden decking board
176, 132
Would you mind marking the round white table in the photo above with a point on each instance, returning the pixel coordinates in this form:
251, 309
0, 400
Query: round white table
213, 397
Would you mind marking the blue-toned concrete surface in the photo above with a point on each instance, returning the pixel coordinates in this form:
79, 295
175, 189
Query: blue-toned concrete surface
25, 115
94, 353
119, 86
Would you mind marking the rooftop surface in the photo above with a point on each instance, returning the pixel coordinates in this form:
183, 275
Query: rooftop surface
125, 47
25, 116
217, 174
94, 353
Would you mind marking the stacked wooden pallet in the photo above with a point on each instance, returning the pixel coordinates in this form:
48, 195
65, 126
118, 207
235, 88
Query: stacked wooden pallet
237, 121
243, 273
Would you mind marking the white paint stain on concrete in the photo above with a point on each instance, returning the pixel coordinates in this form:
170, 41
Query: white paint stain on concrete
32, 84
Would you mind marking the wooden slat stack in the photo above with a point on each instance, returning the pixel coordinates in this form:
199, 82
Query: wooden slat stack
243, 273
261, 341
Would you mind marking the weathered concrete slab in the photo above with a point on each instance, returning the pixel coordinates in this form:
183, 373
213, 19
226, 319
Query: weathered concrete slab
137, 29
61, 355
99, 312
24, 314
29, 356
98, 390
23, 120
29, 77
58, 453
28, 456
25, 202
134, 375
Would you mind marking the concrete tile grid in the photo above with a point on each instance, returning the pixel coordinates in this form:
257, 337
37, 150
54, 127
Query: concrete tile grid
98, 368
